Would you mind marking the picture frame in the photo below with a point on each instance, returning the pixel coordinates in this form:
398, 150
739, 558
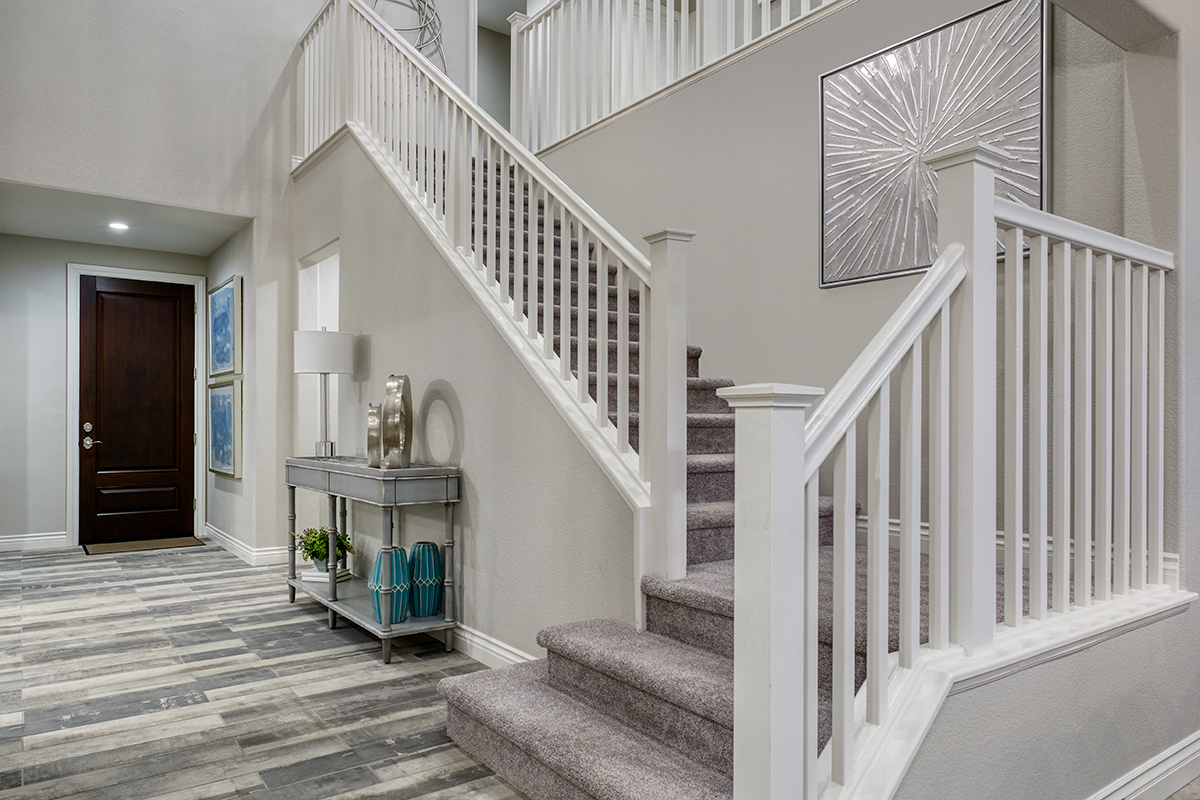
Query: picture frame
225, 428
225, 328
882, 115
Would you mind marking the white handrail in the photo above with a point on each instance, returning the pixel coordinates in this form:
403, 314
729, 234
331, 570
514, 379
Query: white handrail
527, 161
850, 395
1034, 221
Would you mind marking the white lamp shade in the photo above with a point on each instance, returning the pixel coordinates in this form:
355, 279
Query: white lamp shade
324, 351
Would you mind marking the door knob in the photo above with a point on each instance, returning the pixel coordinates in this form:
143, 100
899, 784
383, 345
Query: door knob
89, 441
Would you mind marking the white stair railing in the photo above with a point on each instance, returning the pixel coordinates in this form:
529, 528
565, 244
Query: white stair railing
508, 221
576, 62
1098, 346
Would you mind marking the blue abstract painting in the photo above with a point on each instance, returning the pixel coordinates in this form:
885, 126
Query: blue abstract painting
224, 412
224, 318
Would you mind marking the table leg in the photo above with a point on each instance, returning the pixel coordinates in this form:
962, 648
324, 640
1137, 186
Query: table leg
331, 558
448, 576
291, 542
387, 651
385, 575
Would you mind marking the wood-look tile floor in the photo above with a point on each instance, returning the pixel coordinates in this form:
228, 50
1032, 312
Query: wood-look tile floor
187, 674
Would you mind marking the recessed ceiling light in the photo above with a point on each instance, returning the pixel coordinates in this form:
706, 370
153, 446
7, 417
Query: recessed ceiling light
118, 226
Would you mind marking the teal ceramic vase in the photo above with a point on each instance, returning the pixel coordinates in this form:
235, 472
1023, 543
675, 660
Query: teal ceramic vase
400, 586
425, 567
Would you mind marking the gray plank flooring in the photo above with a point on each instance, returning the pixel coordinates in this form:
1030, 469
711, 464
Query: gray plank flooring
186, 674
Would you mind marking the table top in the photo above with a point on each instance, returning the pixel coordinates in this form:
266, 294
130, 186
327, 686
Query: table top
349, 476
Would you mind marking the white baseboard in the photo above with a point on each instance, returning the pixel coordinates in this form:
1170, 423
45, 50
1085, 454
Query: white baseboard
1160, 777
486, 650
255, 557
34, 541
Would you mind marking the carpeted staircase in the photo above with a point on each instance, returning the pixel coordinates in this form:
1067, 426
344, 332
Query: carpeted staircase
611, 712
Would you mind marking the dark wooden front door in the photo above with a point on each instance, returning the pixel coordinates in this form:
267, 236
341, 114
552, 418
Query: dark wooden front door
136, 360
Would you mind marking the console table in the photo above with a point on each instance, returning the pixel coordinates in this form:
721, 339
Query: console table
346, 477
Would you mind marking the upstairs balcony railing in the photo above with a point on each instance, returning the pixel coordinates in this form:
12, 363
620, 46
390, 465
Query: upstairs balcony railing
576, 62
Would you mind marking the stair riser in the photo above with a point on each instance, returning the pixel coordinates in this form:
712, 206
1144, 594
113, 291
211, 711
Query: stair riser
700, 440
536, 780
572, 292
699, 738
709, 544
693, 362
699, 401
573, 329
710, 487
703, 629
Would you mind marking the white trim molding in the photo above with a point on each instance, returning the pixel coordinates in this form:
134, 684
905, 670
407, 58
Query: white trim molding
486, 649
34, 541
254, 556
199, 424
1160, 777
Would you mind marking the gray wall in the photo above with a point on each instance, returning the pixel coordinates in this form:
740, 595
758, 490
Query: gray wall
494, 85
33, 371
544, 537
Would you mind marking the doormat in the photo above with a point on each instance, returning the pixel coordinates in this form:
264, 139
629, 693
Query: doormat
145, 544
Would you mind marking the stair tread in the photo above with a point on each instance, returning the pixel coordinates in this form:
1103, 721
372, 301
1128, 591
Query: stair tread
693, 679
698, 420
707, 587
589, 749
710, 515
709, 462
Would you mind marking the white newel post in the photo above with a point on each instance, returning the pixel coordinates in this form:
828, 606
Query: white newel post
516, 90
343, 65
966, 214
774, 714
668, 402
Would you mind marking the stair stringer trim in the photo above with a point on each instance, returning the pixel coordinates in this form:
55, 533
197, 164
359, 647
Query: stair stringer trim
498, 310
883, 753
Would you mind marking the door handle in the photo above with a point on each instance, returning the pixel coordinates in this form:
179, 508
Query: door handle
89, 441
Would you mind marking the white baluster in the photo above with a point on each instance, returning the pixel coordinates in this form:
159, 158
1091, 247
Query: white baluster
1039, 414
1104, 426
1155, 405
1122, 423
602, 306
1138, 413
878, 486
1082, 580
773, 711
910, 506
844, 534
939, 480
1060, 512
1014, 422
622, 356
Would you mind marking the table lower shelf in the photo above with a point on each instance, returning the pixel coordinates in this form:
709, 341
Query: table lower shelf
354, 603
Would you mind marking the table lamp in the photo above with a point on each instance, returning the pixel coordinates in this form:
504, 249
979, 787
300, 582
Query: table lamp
323, 352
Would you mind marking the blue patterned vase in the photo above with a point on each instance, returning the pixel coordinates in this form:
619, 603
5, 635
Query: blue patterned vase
400, 586
425, 567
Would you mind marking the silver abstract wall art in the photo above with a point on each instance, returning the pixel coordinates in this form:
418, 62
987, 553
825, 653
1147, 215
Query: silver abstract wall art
980, 78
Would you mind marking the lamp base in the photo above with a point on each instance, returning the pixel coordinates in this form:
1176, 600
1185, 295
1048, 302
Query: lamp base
324, 449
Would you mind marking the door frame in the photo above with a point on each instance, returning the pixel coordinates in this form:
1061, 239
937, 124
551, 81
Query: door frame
200, 463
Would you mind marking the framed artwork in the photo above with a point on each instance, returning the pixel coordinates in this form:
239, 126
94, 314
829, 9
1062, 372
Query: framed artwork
225, 428
225, 328
981, 78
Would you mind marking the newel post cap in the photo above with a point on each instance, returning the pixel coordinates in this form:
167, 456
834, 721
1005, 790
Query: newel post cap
517, 18
674, 234
978, 151
770, 395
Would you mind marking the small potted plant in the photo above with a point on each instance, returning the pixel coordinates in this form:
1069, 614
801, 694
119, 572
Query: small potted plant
314, 546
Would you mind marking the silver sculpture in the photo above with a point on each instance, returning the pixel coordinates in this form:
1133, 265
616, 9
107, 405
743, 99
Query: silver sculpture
397, 423
978, 79
373, 432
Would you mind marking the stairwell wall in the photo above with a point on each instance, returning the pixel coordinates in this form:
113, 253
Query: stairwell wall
543, 536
